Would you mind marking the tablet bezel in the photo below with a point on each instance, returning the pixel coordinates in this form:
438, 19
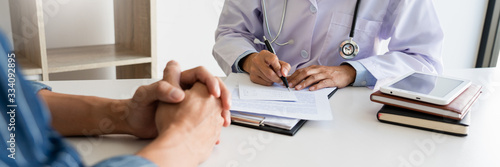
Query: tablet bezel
425, 97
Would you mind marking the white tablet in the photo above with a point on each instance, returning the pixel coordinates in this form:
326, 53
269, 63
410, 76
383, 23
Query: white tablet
424, 87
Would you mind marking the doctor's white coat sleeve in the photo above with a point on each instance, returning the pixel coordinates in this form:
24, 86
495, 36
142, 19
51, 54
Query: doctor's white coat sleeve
415, 43
239, 25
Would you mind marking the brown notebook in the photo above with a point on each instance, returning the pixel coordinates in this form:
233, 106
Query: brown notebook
457, 108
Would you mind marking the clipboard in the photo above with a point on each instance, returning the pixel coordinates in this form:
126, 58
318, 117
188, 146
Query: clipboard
257, 122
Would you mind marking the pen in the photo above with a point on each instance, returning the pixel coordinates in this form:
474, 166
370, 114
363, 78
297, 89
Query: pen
271, 49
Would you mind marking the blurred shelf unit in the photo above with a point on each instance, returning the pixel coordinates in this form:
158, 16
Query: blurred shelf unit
133, 54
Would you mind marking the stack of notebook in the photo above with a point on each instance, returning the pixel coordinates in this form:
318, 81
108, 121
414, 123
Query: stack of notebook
453, 118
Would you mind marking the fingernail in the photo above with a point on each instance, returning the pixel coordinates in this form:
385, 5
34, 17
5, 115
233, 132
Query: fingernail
176, 94
290, 84
217, 91
299, 86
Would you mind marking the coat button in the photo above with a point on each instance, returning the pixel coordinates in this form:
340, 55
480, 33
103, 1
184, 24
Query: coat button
313, 9
304, 54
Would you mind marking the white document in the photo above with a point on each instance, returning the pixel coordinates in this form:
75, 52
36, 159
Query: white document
256, 92
310, 105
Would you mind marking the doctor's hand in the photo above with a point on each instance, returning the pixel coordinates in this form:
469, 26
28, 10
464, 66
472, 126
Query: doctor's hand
319, 77
265, 68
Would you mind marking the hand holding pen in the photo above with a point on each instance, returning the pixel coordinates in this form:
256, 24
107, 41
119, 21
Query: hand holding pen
282, 77
265, 68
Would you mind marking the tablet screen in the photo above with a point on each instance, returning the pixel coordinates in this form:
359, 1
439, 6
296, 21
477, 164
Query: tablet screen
427, 84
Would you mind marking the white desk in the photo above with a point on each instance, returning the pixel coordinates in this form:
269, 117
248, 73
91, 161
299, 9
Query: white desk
353, 138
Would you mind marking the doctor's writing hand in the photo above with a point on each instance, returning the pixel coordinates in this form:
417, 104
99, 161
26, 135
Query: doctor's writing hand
265, 68
319, 77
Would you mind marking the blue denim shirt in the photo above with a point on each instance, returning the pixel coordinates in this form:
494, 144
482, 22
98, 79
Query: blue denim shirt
27, 138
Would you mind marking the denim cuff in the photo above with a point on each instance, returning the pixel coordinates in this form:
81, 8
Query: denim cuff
37, 86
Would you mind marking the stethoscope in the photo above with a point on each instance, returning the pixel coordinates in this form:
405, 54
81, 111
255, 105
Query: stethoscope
348, 48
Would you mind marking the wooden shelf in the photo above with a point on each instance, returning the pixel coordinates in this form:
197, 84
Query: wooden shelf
28, 67
91, 57
133, 54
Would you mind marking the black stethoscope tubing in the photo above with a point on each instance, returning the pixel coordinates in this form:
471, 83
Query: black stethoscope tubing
348, 48
353, 26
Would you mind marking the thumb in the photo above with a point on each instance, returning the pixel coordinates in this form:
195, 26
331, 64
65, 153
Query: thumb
168, 93
285, 68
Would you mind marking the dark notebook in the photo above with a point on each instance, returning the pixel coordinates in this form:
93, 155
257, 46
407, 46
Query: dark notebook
419, 120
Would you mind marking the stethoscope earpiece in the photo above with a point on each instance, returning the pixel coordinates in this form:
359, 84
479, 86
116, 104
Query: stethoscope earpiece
257, 41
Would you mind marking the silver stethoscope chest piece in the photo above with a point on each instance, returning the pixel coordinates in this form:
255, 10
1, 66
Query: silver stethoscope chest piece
348, 48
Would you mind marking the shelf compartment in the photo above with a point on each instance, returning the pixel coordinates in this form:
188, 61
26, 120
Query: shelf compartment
28, 67
91, 57
135, 33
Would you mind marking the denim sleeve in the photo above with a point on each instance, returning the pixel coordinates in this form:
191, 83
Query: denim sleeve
363, 76
37, 86
126, 160
26, 135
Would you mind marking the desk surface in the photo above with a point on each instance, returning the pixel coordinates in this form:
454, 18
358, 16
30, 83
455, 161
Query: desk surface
353, 138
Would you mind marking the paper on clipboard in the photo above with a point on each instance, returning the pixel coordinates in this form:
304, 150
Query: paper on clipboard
310, 105
256, 92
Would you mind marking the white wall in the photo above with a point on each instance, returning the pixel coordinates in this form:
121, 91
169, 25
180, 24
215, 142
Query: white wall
462, 22
186, 31
79, 23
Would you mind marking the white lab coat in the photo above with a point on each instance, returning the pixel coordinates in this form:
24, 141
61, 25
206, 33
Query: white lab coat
318, 27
